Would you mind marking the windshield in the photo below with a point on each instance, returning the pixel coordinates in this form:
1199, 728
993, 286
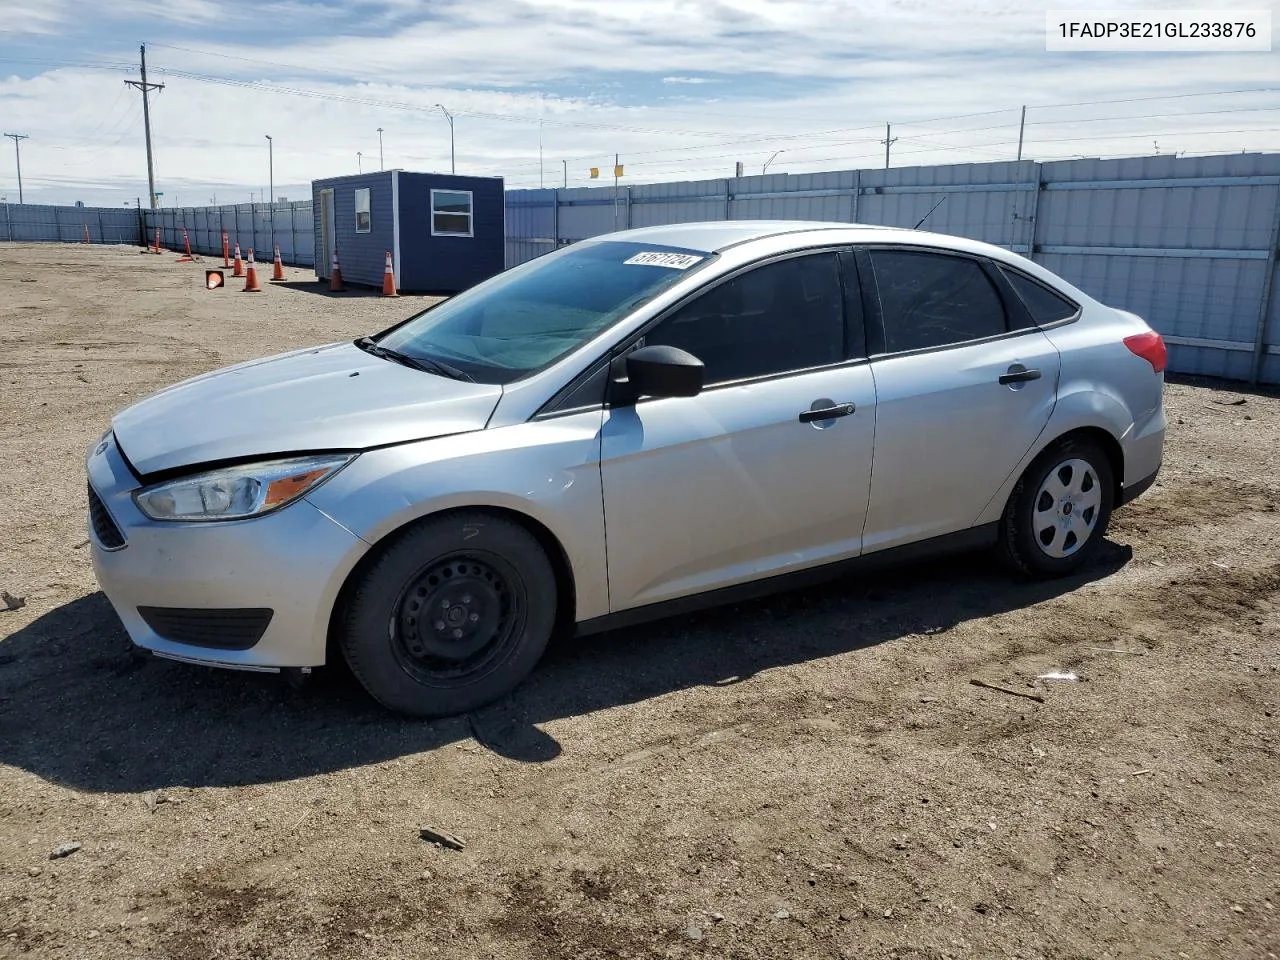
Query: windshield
525, 319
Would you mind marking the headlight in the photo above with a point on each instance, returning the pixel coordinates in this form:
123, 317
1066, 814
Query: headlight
234, 493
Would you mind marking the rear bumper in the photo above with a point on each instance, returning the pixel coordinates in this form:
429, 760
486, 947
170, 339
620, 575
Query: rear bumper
1133, 491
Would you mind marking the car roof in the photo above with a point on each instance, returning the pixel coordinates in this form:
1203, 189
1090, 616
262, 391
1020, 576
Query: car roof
719, 235
716, 235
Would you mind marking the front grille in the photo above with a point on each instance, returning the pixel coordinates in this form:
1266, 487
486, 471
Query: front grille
104, 528
220, 628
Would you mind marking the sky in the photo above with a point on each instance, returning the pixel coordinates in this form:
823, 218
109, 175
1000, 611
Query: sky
540, 91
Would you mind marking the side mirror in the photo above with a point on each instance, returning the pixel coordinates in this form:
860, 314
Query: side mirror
661, 371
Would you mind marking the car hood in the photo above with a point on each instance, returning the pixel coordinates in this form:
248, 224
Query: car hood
335, 397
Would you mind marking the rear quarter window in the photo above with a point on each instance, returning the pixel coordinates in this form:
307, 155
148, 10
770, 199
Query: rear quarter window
1044, 305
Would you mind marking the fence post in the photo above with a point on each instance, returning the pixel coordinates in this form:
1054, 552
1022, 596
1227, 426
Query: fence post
1268, 292
8, 223
1034, 215
293, 233
857, 192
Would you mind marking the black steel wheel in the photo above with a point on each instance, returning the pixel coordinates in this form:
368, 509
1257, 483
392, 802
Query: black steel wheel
452, 614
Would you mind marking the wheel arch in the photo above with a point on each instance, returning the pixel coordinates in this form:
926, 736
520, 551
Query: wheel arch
561, 568
1097, 433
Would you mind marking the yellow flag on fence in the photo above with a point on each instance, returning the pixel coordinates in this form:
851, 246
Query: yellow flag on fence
595, 173
617, 171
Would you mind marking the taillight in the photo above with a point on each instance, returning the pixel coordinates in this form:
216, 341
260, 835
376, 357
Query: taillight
1150, 347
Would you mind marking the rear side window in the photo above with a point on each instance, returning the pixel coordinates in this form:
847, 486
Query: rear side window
933, 300
1043, 304
776, 318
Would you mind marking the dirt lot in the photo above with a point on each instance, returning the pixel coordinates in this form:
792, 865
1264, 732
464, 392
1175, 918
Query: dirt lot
807, 776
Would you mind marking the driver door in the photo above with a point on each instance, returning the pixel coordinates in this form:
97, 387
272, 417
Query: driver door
768, 469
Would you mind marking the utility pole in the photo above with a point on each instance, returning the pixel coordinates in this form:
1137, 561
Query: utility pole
888, 141
359, 162
146, 122
17, 155
1022, 124
379, 148
566, 173
615, 191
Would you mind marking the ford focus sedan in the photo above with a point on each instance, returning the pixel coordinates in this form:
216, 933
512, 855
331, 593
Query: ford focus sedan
623, 429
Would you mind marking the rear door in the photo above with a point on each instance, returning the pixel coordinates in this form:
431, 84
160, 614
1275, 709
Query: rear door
964, 384
767, 470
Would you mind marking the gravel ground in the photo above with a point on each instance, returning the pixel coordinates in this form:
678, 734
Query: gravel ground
811, 775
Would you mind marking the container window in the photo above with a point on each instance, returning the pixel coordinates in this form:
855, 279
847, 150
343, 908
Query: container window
363, 220
451, 213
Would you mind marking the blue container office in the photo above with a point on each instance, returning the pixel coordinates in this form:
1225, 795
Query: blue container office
445, 233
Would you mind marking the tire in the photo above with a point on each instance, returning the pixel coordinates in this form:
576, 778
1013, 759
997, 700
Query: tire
1058, 512
491, 594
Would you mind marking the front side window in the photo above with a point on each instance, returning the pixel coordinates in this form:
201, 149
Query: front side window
525, 319
451, 213
1043, 304
934, 300
363, 220
783, 316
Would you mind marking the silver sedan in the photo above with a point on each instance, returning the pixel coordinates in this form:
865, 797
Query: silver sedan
623, 429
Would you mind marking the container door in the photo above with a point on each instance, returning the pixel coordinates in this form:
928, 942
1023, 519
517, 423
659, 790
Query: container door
327, 237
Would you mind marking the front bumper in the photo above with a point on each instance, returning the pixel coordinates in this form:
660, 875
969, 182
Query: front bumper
292, 562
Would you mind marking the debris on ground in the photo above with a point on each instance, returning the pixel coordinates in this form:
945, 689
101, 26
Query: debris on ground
1132, 653
432, 835
64, 850
11, 602
1009, 690
1066, 675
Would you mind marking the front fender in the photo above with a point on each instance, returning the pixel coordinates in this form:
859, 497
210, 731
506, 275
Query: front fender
547, 470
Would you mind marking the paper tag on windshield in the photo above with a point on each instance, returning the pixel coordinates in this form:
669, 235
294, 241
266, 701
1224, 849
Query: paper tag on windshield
656, 258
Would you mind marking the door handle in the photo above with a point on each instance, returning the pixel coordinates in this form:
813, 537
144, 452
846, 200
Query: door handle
828, 413
1019, 375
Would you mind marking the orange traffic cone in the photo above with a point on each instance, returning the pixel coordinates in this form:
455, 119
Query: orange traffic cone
86, 233
335, 274
226, 251
251, 277
156, 248
277, 269
239, 267
186, 242
389, 279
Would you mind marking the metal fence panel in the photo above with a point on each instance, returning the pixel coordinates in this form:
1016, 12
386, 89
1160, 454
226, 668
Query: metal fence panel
255, 225
45, 223
1189, 243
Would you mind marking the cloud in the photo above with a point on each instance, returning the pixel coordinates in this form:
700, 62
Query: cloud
817, 79
37, 17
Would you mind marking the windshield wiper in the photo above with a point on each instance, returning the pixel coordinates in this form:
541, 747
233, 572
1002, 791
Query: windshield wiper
425, 364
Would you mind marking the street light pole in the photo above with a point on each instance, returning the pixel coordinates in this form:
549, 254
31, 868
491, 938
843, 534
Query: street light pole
271, 187
17, 138
453, 163
379, 148
770, 160
359, 162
